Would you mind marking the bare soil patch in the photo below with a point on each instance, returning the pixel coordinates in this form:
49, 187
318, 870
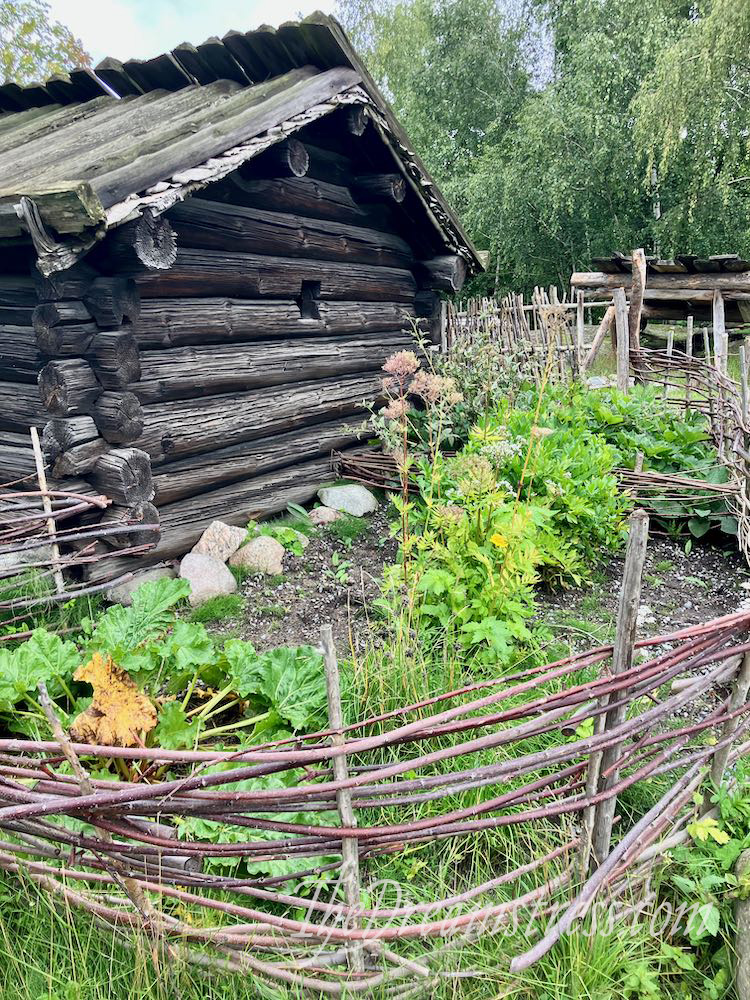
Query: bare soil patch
331, 582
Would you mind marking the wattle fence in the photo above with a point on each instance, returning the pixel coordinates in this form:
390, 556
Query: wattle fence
548, 339
551, 748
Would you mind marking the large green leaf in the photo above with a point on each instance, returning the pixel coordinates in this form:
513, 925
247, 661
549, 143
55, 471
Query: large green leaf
43, 658
290, 679
175, 731
49, 654
121, 630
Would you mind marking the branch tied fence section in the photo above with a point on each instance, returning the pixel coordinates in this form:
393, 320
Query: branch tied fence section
49, 540
375, 788
547, 338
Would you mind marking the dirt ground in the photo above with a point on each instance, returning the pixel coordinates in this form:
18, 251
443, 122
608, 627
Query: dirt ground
332, 582
336, 582
678, 589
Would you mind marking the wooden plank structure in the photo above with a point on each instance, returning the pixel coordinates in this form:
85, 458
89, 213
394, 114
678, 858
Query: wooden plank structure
205, 259
671, 290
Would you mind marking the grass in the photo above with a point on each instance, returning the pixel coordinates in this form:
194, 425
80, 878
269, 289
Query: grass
347, 529
48, 954
272, 610
219, 609
53, 615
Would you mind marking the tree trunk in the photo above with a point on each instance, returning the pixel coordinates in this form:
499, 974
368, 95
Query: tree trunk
448, 273
68, 387
124, 475
211, 225
189, 476
119, 417
176, 322
200, 273
149, 239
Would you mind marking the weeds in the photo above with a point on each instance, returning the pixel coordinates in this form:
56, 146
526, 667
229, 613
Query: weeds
347, 529
219, 609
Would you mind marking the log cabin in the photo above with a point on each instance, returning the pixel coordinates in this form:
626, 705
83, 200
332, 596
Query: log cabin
205, 258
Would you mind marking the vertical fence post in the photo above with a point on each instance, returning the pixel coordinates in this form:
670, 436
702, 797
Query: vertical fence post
738, 697
668, 369
349, 847
622, 660
580, 331
689, 356
744, 380
47, 506
444, 339
720, 333
623, 339
637, 292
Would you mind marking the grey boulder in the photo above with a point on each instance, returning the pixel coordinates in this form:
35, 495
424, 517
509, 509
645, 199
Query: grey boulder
324, 515
348, 499
208, 577
220, 540
261, 555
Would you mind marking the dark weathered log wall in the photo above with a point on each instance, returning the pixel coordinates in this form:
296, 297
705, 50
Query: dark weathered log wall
210, 360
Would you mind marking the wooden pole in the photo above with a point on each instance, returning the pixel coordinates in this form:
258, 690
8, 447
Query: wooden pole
720, 333
638, 289
737, 699
601, 332
670, 351
444, 341
622, 660
580, 331
744, 380
689, 355
47, 505
623, 339
349, 847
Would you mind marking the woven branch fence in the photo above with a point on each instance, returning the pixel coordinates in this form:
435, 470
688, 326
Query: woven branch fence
376, 788
547, 338
47, 538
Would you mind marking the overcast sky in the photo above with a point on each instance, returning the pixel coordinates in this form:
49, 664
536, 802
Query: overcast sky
140, 29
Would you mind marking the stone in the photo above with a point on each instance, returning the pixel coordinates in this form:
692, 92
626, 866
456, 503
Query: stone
324, 515
220, 540
123, 592
16, 562
261, 555
208, 577
349, 499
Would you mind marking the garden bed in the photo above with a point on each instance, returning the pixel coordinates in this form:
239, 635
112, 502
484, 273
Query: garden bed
335, 580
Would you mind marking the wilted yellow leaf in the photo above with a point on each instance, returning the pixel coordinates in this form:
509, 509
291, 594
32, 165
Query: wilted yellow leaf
119, 713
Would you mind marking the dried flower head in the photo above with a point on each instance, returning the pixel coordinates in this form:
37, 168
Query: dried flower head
448, 512
402, 364
541, 432
435, 388
395, 410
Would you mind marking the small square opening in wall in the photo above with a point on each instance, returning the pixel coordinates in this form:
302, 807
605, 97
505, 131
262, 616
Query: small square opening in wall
308, 300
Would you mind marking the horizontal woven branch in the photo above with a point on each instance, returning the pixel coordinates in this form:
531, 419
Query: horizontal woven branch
123, 861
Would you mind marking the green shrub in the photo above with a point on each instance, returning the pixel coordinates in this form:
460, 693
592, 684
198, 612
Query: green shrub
565, 470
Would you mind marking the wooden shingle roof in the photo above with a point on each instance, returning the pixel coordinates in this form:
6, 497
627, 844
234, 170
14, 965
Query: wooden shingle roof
82, 154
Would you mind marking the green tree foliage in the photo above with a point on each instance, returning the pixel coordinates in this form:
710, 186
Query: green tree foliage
454, 70
32, 45
566, 184
692, 120
565, 129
